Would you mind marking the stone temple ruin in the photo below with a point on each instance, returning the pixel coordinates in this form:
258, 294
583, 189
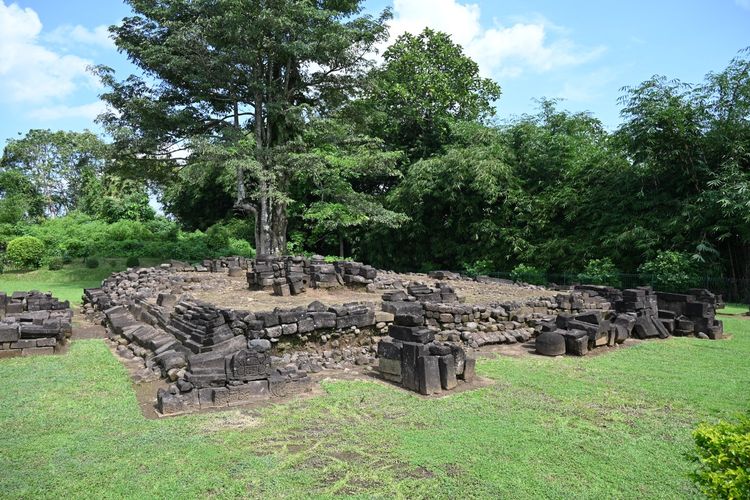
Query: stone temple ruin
33, 323
639, 313
412, 334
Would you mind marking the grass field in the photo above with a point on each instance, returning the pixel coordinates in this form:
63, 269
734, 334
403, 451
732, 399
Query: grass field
67, 283
614, 425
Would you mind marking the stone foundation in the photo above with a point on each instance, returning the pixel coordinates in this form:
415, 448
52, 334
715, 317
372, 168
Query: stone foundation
33, 323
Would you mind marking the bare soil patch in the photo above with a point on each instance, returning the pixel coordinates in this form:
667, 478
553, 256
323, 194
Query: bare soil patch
233, 292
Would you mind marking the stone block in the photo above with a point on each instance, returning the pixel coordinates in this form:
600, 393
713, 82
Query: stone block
428, 373
11, 353
323, 320
23, 344
469, 370
248, 391
550, 344
447, 372
46, 342
409, 319
576, 342
389, 349
9, 332
411, 334
459, 358
410, 353
390, 369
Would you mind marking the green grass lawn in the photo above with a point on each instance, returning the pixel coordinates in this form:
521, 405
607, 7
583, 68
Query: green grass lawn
67, 283
734, 309
615, 425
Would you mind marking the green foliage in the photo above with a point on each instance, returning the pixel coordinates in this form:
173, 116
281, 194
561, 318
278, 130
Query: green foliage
723, 452
671, 272
55, 264
426, 83
55, 164
242, 248
479, 267
26, 251
217, 236
132, 261
92, 262
523, 273
600, 272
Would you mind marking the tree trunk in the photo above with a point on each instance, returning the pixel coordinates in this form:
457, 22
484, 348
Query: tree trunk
341, 245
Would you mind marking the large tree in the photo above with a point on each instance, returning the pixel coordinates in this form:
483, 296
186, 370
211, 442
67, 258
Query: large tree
243, 75
55, 163
426, 83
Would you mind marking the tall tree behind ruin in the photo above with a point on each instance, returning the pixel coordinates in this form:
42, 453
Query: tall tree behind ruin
243, 76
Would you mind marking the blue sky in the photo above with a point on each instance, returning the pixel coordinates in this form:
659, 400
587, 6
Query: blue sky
581, 52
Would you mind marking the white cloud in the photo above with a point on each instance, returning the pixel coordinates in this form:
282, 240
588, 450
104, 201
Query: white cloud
745, 4
30, 72
80, 35
87, 111
500, 51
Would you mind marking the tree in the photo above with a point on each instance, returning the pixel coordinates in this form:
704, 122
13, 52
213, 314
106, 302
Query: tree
339, 182
55, 163
244, 75
19, 199
426, 83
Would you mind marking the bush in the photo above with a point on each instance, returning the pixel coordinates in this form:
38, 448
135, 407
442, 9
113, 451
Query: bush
241, 248
670, 272
55, 263
92, 263
217, 236
723, 452
26, 251
132, 261
66, 258
600, 272
528, 274
482, 266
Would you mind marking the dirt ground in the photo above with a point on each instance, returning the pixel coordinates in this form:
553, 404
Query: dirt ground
233, 292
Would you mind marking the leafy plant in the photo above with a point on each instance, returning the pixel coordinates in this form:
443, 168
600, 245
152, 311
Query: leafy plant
528, 274
55, 263
92, 262
26, 251
132, 261
600, 272
723, 452
671, 272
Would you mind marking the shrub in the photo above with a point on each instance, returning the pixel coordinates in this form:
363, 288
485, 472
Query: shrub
600, 272
241, 248
66, 258
528, 274
482, 266
133, 261
217, 237
26, 251
92, 262
670, 272
55, 263
723, 454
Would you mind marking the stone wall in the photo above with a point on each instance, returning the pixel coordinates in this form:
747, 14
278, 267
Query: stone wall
33, 323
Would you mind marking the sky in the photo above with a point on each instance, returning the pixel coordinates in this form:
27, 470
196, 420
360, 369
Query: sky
582, 52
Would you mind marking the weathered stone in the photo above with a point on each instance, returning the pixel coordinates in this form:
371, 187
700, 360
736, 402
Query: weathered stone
410, 352
550, 344
447, 372
428, 373
469, 369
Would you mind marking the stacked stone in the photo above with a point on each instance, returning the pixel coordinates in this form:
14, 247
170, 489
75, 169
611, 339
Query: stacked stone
324, 275
636, 315
219, 379
691, 314
199, 326
444, 275
33, 323
234, 265
410, 357
356, 273
125, 287
263, 271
